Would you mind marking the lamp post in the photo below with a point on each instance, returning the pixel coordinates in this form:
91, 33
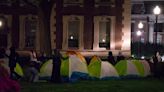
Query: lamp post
139, 33
156, 11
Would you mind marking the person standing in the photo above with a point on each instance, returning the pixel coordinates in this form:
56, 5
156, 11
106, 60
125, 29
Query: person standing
13, 57
32, 71
156, 59
111, 58
56, 77
120, 57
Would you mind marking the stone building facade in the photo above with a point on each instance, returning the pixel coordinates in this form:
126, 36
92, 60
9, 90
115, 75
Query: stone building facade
92, 27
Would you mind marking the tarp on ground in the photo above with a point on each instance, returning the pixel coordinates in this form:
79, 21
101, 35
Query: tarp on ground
73, 68
101, 69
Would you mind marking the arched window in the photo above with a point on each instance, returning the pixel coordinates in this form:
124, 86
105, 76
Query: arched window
73, 32
30, 32
104, 33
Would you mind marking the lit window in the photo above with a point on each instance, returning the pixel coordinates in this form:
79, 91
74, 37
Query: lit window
104, 34
73, 33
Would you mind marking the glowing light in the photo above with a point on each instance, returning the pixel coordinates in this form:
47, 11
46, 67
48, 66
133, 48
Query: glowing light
1, 23
71, 37
103, 40
139, 33
140, 25
143, 57
133, 56
157, 10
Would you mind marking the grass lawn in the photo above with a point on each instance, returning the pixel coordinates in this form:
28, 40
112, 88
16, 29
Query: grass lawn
124, 85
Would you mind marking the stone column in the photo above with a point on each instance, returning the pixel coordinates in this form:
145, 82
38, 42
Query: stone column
9, 39
112, 34
81, 42
22, 32
15, 31
126, 37
53, 27
96, 34
65, 33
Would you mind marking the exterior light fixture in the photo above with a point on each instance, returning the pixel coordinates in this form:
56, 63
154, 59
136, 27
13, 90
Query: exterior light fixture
143, 57
71, 37
1, 23
157, 10
140, 25
139, 33
103, 40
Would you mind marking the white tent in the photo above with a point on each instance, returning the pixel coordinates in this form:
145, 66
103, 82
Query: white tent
101, 69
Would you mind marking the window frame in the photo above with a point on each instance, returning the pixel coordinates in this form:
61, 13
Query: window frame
73, 3
66, 19
97, 19
22, 42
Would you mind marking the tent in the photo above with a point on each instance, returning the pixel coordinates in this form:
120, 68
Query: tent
18, 69
73, 68
101, 69
143, 67
126, 68
79, 55
46, 70
140, 67
4, 69
146, 68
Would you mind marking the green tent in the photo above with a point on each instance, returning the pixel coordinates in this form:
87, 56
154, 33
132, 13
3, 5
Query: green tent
126, 68
101, 69
133, 68
143, 67
18, 69
147, 69
46, 69
140, 67
73, 68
